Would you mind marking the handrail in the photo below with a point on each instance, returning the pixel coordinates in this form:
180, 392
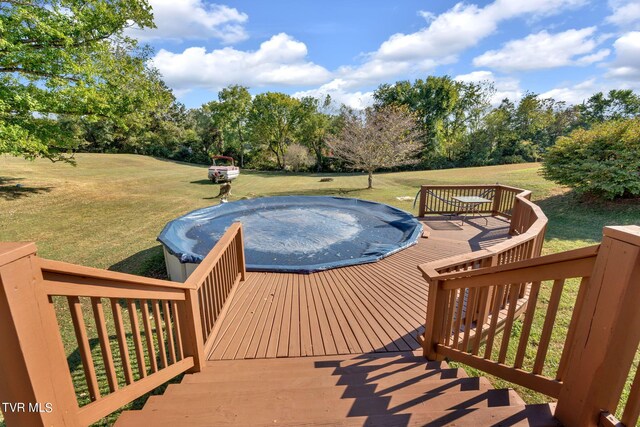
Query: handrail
600, 341
65, 271
169, 327
528, 226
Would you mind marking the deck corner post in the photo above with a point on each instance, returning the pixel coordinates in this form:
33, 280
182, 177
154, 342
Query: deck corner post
240, 251
607, 333
497, 200
35, 384
433, 322
192, 331
423, 201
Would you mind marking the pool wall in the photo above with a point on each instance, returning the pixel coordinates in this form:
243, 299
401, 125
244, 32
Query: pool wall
177, 271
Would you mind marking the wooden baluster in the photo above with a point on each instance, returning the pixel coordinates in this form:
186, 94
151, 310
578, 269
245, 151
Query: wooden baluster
205, 305
169, 328
453, 297
105, 347
160, 334
177, 329
511, 312
202, 309
137, 340
148, 334
80, 330
547, 329
482, 316
468, 317
494, 321
577, 313
122, 340
458, 321
526, 326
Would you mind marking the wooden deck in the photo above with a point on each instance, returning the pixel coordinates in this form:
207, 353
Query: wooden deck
377, 307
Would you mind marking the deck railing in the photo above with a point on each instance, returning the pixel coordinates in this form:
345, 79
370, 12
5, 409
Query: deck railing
159, 329
528, 226
439, 199
599, 343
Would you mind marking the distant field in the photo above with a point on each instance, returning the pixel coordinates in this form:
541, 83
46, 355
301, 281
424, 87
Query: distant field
107, 211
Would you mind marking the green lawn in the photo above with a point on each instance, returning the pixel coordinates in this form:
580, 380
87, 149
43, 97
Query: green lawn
107, 211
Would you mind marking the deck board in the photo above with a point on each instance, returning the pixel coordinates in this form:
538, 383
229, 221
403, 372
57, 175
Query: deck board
358, 309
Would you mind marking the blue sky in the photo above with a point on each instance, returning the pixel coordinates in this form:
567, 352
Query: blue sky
565, 49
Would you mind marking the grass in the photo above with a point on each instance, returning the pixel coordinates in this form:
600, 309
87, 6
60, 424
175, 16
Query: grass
107, 211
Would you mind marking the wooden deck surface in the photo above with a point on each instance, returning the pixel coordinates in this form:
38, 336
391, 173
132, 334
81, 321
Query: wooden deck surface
377, 307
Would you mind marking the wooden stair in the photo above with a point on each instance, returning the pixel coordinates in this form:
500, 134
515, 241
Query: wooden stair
380, 389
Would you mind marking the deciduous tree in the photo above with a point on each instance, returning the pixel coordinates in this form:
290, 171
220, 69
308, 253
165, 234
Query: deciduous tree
65, 57
377, 138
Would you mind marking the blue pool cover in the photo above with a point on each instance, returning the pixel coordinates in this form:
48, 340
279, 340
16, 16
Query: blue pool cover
296, 234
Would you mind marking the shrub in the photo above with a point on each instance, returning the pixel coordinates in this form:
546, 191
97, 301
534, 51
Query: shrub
298, 158
603, 161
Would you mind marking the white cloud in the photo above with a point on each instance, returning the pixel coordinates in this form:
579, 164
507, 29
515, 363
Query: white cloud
443, 38
194, 19
625, 12
575, 94
338, 90
626, 66
506, 87
544, 50
280, 60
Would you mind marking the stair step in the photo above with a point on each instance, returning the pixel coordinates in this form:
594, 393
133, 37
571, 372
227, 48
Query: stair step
529, 415
415, 388
344, 359
320, 404
354, 362
311, 369
382, 380
385, 385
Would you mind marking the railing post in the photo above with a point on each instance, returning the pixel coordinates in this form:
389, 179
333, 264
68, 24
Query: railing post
35, 384
433, 321
191, 330
516, 217
607, 333
423, 201
240, 252
497, 198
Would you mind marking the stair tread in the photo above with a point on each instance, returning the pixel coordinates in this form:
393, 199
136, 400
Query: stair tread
238, 373
348, 383
530, 415
322, 403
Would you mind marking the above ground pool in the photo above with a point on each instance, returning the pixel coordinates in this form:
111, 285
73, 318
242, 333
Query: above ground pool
298, 234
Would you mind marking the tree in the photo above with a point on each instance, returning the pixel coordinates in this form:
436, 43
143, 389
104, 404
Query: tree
64, 57
602, 161
316, 124
298, 157
377, 138
448, 110
274, 122
235, 103
618, 105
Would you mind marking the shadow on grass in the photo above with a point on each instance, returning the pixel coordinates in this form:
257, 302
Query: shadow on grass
575, 218
12, 189
148, 262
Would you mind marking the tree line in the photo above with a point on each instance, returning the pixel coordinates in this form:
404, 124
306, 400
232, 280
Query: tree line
459, 127
71, 80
